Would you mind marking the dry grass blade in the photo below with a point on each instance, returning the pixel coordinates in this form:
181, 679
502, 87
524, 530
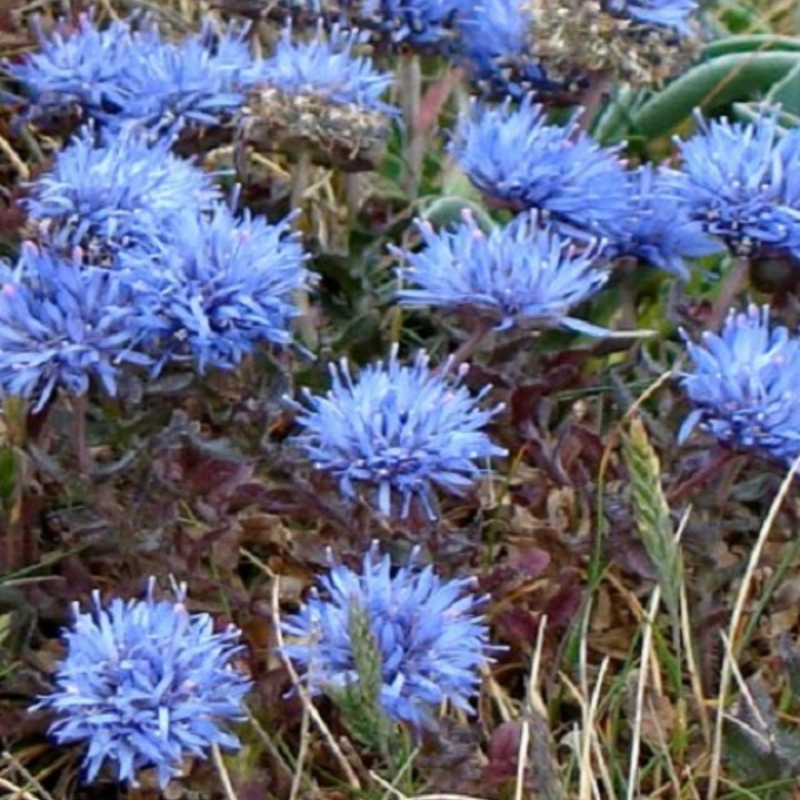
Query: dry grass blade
736, 619
308, 705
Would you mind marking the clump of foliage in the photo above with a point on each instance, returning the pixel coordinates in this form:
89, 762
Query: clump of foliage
448, 351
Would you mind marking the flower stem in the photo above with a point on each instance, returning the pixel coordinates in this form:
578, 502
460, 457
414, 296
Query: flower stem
593, 97
468, 346
731, 285
80, 444
301, 180
411, 94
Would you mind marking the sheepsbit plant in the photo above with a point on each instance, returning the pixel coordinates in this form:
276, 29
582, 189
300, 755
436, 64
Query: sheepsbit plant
126, 74
514, 275
410, 638
62, 326
657, 13
497, 50
657, 230
329, 67
82, 68
221, 285
323, 98
145, 684
402, 430
741, 181
744, 386
517, 159
200, 81
107, 193
428, 26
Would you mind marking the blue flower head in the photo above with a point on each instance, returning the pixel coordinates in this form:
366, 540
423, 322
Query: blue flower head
745, 387
517, 159
742, 185
62, 325
515, 275
655, 13
126, 74
328, 69
656, 230
220, 286
497, 50
199, 81
146, 684
401, 430
118, 193
427, 25
426, 633
84, 68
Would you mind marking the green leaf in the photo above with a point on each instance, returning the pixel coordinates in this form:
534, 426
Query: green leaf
446, 211
714, 85
786, 93
754, 43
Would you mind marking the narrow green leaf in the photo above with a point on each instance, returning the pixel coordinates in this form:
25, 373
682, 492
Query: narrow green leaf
754, 43
713, 85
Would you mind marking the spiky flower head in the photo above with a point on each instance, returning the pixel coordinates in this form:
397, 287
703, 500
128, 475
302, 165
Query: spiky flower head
657, 230
401, 430
200, 81
744, 387
126, 74
62, 326
104, 195
428, 26
639, 41
517, 159
741, 181
146, 684
498, 52
425, 636
514, 275
84, 68
219, 287
329, 67
674, 14
321, 95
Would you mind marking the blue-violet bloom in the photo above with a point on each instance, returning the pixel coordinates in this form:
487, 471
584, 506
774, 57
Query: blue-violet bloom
745, 387
422, 25
199, 81
145, 684
657, 229
126, 74
517, 274
84, 68
116, 193
655, 13
517, 159
497, 50
62, 325
426, 632
220, 286
742, 183
327, 67
401, 430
